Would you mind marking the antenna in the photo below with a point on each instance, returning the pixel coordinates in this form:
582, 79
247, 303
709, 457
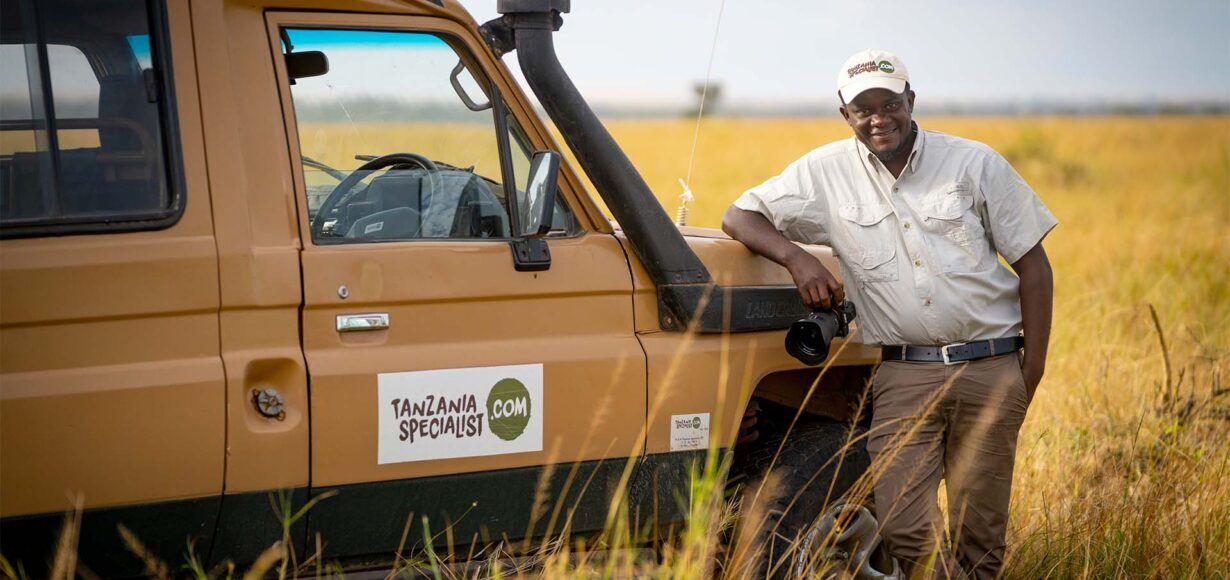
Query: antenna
681, 214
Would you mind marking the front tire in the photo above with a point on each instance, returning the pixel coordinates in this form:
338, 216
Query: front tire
782, 499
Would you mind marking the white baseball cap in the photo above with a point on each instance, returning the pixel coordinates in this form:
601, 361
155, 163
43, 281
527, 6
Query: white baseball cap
871, 69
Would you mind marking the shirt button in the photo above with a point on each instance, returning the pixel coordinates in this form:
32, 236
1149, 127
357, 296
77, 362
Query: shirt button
927, 302
906, 225
918, 263
896, 189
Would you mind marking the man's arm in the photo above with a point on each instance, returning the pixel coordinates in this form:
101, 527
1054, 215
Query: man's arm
816, 284
1037, 297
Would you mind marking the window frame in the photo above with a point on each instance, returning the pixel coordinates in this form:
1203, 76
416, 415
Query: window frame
172, 152
507, 173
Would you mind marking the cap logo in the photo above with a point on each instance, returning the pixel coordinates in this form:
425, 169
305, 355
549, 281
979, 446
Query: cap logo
887, 67
869, 66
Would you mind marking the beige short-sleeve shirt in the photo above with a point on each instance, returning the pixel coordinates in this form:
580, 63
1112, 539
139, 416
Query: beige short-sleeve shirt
918, 253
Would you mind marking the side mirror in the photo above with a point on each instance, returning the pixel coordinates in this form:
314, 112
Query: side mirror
540, 194
301, 65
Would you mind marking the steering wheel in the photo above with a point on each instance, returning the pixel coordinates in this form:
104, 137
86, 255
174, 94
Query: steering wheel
335, 196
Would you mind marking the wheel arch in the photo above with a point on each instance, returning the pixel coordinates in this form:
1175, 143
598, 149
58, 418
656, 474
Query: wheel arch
839, 395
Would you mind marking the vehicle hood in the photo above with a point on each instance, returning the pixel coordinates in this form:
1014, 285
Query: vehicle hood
732, 264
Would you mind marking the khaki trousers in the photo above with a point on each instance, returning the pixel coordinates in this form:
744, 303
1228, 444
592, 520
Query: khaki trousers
959, 422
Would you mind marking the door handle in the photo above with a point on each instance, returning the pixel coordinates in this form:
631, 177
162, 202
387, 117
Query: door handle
361, 322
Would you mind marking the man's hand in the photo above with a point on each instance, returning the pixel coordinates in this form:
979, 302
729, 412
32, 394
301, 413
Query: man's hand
1032, 369
818, 287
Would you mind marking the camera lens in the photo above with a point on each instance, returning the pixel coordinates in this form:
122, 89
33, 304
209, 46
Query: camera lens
807, 339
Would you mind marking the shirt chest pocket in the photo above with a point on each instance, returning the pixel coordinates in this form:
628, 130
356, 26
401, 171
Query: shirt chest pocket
870, 247
954, 229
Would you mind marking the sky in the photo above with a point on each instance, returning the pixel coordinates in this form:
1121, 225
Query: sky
789, 51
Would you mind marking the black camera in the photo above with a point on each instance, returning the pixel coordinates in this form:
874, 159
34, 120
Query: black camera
809, 338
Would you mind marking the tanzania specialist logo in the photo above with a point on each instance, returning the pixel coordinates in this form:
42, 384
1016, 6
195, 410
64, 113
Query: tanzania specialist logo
460, 412
508, 409
861, 68
696, 422
887, 67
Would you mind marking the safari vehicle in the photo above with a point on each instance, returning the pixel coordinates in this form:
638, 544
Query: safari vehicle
278, 248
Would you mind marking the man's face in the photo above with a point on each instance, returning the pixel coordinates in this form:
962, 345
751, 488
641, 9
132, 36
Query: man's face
880, 119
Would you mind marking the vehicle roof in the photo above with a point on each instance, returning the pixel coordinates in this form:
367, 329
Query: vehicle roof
10, 22
449, 8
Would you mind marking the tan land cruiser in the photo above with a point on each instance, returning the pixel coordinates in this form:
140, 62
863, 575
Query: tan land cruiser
255, 247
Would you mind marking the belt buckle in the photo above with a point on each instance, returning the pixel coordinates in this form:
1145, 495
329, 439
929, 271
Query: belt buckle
944, 352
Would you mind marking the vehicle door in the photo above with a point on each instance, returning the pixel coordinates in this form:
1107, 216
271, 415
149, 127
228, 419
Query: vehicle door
112, 394
445, 383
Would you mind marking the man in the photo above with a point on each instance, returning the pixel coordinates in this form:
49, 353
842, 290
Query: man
918, 220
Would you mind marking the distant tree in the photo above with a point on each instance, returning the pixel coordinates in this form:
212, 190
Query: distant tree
712, 98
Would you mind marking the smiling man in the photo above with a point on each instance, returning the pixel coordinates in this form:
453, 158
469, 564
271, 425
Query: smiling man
918, 221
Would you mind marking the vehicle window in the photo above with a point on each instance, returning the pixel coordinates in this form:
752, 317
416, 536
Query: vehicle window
391, 149
81, 131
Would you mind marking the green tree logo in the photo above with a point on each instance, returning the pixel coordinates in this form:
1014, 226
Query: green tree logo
887, 67
508, 409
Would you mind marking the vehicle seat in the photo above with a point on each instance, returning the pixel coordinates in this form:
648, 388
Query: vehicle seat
89, 183
450, 203
397, 188
398, 223
460, 204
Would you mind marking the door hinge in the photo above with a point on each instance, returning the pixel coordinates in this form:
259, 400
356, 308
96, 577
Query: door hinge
530, 254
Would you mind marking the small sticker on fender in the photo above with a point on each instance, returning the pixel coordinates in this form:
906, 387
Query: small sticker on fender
445, 413
689, 432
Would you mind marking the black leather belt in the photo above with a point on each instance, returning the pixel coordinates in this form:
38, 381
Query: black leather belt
953, 353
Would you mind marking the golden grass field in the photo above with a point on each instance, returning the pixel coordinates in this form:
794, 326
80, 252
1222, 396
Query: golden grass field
1123, 466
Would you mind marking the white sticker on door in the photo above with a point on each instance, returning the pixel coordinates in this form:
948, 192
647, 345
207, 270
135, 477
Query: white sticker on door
446, 413
689, 432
